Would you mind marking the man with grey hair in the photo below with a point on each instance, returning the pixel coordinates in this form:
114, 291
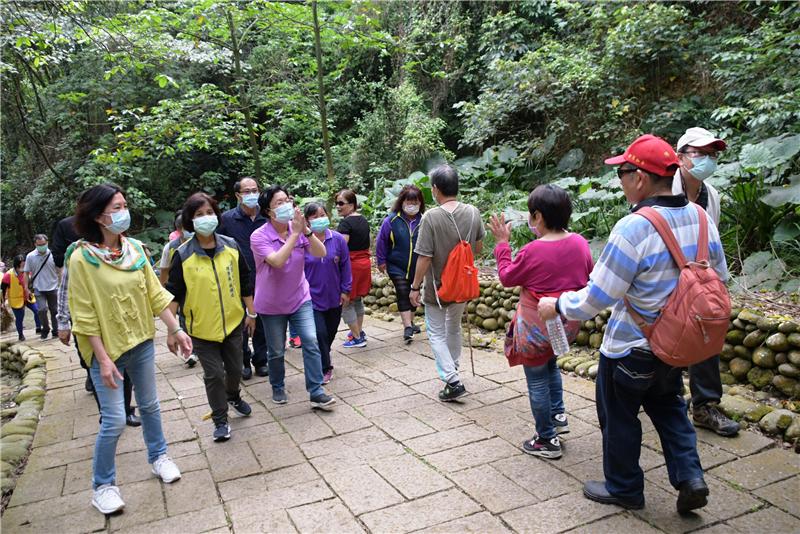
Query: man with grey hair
43, 277
441, 229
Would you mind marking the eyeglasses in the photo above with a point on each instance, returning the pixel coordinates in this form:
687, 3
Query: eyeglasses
248, 191
697, 154
340, 203
622, 172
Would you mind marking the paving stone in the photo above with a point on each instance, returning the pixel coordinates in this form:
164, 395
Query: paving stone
492, 489
353, 440
51, 508
660, 510
537, 476
769, 520
238, 434
196, 490
579, 386
421, 513
391, 391
344, 419
83, 519
410, 476
447, 439
306, 427
38, 485
249, 509
577, 450
52, 430
480, 523
144, 502
438, 416
46, 458
783, 494
402, 426
588, 415
616, 524
241, 488
759, 469
79, 477
588, 470
481, 452
351, 457
204, 520
362, 489
330, 516
408, 404
274, 452
232, 460
556, 515
743, 444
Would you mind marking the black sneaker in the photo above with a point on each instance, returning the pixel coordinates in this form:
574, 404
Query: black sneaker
416, 329
222, 432
408, 334
561, 424
323, 401
247, 372
21, 337
452, 391
279, 396
44, 334
192, 360
710, 417
262, 370
241, 407
543, 448
38, 330
692, 494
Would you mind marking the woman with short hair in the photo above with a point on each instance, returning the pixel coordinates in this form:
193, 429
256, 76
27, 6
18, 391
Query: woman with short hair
113, 296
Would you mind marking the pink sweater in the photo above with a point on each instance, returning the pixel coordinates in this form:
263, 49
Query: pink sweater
546, 267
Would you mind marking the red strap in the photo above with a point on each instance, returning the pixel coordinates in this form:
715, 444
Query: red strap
662, 227
702, 239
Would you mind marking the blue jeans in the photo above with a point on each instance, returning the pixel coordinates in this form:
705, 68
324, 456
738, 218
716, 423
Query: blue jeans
546, 396
625, 384
139, 363
19, 316
275, 329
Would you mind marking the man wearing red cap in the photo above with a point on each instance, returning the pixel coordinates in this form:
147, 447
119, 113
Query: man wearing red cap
636, 266
698, 150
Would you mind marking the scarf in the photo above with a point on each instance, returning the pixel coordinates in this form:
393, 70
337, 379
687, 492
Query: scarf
129, 257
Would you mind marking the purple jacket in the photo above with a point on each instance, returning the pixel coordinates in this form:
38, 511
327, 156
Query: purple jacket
330, 276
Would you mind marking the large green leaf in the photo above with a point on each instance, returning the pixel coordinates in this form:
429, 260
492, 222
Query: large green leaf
760, 271
571, 160
785, 194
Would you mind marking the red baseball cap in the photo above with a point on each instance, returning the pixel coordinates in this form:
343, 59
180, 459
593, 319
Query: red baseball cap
650, 153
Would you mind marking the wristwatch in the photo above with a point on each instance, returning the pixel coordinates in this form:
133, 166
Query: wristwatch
308, 234
255, 315
415, 288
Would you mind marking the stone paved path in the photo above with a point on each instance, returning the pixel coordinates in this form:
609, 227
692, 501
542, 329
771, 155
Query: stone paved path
390, 458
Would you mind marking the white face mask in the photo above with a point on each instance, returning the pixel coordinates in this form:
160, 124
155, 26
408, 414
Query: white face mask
410, 209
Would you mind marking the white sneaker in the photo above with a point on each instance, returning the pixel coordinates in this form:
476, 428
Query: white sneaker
165, 469
107, 499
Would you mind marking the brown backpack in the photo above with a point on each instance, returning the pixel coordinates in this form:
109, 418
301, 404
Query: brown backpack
692, 325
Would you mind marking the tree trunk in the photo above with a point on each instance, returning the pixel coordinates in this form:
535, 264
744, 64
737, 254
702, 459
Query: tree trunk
326, 144
243, 100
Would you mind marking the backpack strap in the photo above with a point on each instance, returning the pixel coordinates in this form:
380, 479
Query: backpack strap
662, 227
702, 239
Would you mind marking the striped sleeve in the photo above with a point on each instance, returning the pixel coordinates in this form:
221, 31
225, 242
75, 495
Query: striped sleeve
608, 282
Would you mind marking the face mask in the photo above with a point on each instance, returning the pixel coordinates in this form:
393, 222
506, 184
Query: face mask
320, 224
41, 249
205, 225
120, 221
187, 234
535, 230
250, 200
703, 167
411, 209
284, 213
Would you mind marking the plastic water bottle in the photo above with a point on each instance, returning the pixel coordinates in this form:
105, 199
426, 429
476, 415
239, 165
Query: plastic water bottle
558, 338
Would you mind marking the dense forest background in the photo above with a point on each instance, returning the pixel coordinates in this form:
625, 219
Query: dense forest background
170, 97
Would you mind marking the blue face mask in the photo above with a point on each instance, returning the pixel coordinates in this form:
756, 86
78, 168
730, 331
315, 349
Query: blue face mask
702, 167
205, 225
320, 224
187, 234
250, 200
120, 221
41, 249
284, 213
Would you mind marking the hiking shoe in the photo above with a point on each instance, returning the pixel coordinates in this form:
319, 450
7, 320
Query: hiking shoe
247, 372
692, 494
295, 342
279, 396
595, 490
452, 391
355, 343
561, 424
326, 378
192, 360
710, 417
222, 432
133, 420
408, 334
107, 499
241, 407
38, 330
21, 337
44, 334
323, 401
262, 370
165, 469
543, 448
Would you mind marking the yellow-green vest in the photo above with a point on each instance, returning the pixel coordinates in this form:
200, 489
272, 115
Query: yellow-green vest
213, 304
16, 291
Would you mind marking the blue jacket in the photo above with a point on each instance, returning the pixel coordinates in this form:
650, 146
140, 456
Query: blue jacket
395, 245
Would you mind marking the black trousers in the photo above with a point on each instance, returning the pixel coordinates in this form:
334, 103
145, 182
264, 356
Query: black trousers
327, 324
258, 355
705, 382
222, 371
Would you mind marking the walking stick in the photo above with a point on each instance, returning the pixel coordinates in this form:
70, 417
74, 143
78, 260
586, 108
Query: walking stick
469, 340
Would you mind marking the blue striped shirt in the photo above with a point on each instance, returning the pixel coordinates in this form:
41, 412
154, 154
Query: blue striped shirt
636, 263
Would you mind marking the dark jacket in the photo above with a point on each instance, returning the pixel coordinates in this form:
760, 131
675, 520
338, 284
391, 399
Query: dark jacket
64, 235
